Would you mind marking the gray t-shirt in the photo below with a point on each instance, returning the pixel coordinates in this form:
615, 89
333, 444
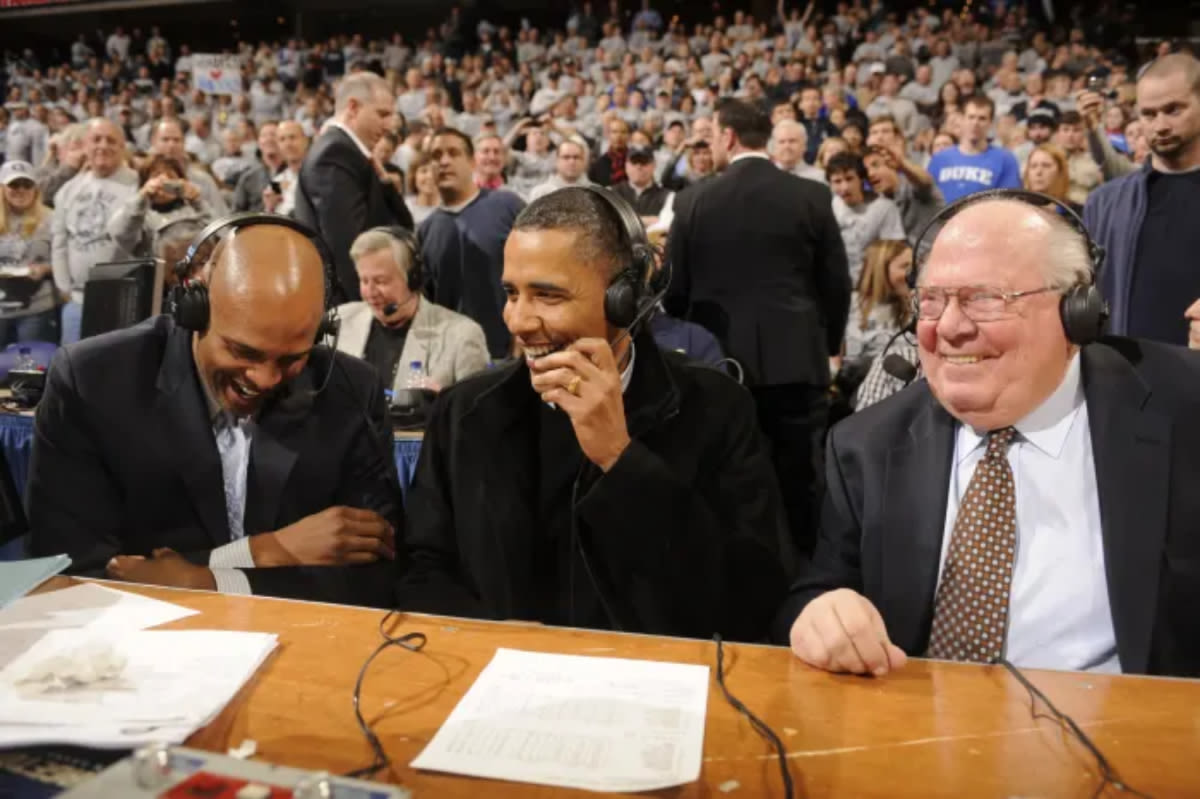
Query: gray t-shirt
82, 210
864, 224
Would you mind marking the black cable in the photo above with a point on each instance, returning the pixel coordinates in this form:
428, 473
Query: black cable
760, 726
413, 642
577, 543
1108, 775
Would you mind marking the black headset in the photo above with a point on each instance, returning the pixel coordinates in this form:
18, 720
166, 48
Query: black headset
416, 265
625, 300
1082, 307
190, 304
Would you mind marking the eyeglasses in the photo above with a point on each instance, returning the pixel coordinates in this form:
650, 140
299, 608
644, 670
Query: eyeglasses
978, 303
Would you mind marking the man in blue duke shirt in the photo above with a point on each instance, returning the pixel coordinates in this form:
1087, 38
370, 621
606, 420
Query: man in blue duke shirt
974, 165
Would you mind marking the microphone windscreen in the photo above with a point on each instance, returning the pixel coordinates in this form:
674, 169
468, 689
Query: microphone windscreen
899, 368
390, 308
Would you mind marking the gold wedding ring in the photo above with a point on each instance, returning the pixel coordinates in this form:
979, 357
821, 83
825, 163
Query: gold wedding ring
573, 386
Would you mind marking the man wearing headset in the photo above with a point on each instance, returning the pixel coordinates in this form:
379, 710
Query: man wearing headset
394, 327
597, 481
1033, 498
218, 449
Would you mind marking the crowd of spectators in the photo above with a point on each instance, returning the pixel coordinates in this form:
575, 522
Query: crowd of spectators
898, 113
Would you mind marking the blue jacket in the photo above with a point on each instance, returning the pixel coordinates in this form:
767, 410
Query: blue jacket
689, 338
1113, 215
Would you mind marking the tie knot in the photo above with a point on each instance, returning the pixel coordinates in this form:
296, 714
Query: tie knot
998, 441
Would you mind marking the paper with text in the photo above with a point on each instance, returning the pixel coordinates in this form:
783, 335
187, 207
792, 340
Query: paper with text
601, 724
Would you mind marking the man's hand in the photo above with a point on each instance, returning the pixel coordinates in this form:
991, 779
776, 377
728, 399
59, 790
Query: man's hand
1193, 317
271, 199
584, 381
166, 567
841, 631
338, 536
1091, 108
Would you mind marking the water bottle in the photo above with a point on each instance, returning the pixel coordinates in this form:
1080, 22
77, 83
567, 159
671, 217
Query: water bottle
25, 361
416, 376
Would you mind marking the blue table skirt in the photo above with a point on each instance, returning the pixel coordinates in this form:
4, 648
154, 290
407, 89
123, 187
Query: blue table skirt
16, 439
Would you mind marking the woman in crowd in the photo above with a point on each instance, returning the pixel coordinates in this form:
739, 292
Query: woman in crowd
166, 197
423, 198
880, 305
1046, 172
829, 148
28, 311
941, 141
880, 311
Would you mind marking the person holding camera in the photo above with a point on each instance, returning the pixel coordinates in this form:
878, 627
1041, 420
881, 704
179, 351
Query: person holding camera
166, 196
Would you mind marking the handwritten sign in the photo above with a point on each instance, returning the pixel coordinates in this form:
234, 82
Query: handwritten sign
217, 74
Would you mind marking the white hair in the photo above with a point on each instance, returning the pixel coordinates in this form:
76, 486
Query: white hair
579, 142
783, 124
361, 86
1066, 260
376, 240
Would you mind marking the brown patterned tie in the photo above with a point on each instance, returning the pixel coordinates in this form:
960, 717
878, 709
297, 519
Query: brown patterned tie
970, 612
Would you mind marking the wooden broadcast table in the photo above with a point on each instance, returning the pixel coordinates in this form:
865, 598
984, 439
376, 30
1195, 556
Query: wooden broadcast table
932, 730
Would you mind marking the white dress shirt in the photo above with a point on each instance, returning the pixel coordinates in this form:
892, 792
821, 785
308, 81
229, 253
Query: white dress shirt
1059, 615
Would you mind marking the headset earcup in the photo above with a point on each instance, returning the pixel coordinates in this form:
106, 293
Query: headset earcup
620, 301
1084, 313
189, 306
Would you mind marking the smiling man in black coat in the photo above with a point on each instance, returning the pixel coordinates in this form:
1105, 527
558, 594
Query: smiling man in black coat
593, 484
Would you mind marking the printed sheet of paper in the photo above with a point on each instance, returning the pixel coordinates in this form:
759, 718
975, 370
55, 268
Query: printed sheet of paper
600, 724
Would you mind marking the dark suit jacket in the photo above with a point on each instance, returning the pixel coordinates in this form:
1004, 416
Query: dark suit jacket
124, 460
340, 196
685, 532
758, 260
888, 471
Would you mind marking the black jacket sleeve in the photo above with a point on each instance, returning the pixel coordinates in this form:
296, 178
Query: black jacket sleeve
693, 559
433, 580
71, 498
340, 205
397, 207
678, 296
837, 561
832, 274
369, 480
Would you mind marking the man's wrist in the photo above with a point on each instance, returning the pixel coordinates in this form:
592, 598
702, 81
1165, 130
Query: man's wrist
606, 464
267, 552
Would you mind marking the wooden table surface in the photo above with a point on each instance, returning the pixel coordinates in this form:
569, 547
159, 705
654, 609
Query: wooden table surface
932, 730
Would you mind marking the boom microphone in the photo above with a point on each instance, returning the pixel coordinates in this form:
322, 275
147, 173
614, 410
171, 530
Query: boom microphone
390, 308
898, 367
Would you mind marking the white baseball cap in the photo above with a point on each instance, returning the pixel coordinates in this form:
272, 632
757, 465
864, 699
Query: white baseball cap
16, 170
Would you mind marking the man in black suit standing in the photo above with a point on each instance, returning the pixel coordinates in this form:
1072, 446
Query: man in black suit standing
1032, 498
759, 261
342, 190
235, 457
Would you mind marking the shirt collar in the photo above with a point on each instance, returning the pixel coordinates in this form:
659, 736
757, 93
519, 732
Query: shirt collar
1046, 426
215, 411
455, 209
357, 141
750, 154
627, 373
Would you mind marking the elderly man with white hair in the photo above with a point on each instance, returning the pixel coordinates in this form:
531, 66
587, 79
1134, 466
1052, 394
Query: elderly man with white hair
342, 190
394, 327
1032, 499
789, 140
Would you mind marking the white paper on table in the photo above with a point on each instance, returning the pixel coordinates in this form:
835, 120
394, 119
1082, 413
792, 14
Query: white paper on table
174, 677
89, 605
601, 724
82, 607
95, 737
